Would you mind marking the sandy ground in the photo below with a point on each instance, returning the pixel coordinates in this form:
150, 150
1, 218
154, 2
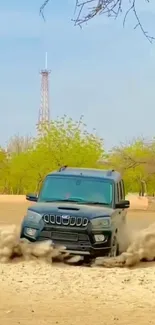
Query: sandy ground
56, 294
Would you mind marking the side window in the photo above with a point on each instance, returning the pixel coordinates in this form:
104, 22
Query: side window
118, 192
120, 189
123, 190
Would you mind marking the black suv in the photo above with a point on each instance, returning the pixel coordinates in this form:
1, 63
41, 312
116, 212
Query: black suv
81, 209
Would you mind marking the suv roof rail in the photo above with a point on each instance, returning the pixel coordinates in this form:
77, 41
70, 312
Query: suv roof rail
62, 168
110, 172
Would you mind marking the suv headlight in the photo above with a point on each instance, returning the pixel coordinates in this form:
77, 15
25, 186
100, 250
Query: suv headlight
33, 216
30, 231
99, 223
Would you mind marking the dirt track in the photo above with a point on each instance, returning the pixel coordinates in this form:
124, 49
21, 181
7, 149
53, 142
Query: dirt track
39, 293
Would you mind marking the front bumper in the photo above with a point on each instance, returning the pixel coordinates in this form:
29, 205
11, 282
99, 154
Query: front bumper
88, 251
76, 242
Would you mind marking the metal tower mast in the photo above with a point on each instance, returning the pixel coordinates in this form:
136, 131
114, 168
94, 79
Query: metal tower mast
44, 111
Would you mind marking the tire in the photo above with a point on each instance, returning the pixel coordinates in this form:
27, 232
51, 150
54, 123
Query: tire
114, 248
87, 260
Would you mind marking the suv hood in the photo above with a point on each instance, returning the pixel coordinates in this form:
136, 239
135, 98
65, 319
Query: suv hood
72, 209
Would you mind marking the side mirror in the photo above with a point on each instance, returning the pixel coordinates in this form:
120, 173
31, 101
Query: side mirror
123, 204
32, 197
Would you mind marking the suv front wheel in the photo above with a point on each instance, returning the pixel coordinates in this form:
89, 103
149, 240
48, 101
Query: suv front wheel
114, 248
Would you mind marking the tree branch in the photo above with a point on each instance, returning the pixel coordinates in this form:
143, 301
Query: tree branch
86, 10
43, 7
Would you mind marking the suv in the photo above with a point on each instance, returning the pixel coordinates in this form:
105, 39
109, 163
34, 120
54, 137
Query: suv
81, 209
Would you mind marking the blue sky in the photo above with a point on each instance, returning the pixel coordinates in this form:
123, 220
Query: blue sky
103, 71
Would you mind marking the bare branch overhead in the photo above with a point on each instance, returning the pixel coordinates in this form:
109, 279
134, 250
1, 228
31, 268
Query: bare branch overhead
86, 10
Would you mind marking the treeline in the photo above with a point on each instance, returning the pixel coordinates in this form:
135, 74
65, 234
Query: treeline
26, 161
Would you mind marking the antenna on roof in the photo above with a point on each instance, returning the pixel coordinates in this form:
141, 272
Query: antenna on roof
46, 61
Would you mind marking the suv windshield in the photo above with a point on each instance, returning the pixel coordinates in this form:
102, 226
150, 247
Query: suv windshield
76, 189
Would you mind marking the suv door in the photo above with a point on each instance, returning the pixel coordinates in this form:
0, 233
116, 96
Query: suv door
117, 216
120, 196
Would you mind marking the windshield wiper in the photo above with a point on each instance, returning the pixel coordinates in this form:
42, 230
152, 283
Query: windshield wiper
78, 200
95, 203
65, 200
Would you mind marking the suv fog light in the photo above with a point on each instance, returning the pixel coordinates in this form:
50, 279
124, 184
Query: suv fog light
30, 231
99, 238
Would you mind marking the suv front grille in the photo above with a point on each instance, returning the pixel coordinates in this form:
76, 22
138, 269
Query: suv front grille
64, 236
65, 220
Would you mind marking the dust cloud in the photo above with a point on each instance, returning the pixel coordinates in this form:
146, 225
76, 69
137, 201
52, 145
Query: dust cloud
125, 237
12, 246
141, 248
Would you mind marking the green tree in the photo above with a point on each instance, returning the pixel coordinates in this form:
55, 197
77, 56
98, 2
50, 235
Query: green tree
18, 144
137, 164
65, 142
4, 171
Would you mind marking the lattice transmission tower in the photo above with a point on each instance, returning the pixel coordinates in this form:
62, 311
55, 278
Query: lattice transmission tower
44, 111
